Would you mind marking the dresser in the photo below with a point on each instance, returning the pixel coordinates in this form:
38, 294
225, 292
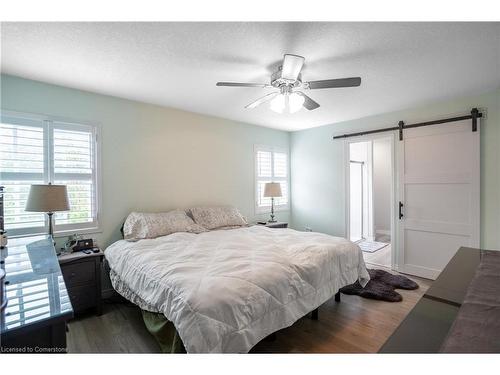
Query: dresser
38, 305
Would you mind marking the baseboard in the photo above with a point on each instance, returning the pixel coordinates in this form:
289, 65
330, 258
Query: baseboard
389, 268
426, 273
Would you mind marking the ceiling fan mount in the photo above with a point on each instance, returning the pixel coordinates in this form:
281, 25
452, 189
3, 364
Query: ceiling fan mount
277, 79
288, 79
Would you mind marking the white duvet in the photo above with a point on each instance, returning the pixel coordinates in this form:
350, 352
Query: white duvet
226, 290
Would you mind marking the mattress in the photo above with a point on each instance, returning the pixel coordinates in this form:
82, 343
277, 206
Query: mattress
226, 290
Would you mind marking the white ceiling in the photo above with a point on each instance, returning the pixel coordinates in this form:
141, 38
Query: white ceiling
402, 65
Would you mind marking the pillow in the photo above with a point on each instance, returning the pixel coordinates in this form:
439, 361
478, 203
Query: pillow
216, 217
141, 225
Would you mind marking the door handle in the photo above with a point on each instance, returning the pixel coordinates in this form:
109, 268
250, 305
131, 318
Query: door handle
400, 210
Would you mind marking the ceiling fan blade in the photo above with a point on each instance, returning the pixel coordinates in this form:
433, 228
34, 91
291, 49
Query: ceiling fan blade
239, 84
334, 83
292, 65
264, 99
308, 102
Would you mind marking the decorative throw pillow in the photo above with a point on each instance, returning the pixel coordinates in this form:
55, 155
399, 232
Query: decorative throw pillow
141, 225
217, 217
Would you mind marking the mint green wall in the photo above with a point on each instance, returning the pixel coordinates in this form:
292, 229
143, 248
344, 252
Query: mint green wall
154, 158
317, 165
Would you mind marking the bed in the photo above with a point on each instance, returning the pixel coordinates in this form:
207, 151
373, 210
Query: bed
225, 290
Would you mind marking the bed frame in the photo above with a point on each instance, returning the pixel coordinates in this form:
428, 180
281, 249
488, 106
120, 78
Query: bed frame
314, 316
314, 313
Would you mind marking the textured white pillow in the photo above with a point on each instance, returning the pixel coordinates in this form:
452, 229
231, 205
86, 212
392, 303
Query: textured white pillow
217, 217
141, 225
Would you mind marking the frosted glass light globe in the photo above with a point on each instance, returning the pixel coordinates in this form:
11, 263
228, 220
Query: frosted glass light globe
295, 102
278, 104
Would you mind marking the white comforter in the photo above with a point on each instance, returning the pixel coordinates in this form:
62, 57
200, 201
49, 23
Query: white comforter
226, 290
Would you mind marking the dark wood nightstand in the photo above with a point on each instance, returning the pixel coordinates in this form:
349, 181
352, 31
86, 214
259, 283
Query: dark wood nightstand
278, 224
82, 275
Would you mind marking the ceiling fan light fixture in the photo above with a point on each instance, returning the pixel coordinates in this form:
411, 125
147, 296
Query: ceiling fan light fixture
287, 78
278, 104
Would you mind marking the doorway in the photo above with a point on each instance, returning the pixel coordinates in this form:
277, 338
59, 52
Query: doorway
370, 189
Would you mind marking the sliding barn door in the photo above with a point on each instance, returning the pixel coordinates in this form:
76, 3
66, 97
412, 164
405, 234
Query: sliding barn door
439, 195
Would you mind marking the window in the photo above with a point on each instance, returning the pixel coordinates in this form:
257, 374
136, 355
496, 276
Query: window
38, 150
271, 165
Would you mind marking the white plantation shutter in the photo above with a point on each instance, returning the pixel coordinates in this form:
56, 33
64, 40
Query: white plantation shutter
280, 164
271, 166
22, 163
74, 161
283, 201
264, 164
280, 174
41, 151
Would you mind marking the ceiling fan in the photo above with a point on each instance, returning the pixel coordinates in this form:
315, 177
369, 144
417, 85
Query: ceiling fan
288, 80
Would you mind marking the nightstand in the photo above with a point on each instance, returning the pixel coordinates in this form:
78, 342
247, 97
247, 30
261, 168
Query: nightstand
278, 224
82, 275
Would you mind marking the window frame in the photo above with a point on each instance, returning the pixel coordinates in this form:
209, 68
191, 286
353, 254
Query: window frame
272, 149
49, 174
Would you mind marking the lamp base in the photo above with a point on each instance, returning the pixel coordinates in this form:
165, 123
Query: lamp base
272, 219
51, 227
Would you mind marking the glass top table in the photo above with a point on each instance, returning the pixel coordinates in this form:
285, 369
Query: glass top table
35, 289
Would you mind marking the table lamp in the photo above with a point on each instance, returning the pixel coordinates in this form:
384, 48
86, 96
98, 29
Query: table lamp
49, 199
272, 190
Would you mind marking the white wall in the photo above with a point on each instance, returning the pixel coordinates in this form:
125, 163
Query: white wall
318, 165
382, 184
154, 158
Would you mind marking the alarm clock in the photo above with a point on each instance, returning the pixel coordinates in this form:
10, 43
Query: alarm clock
79, 245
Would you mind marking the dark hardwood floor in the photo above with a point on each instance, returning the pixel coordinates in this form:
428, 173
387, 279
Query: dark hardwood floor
355, 325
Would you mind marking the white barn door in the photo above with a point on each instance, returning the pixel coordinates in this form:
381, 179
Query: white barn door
439, 176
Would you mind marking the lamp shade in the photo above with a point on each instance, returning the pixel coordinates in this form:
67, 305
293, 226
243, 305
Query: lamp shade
272, 190
47, 198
